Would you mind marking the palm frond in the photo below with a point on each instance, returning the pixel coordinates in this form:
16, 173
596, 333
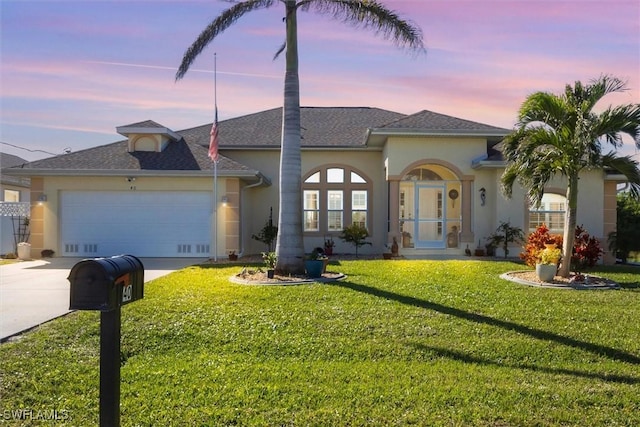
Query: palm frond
625, 165
281, 49
370, 14
216, 27
543, 107
624, 119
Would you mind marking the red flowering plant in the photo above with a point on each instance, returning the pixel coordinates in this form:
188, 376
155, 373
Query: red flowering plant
536, 242
586, 250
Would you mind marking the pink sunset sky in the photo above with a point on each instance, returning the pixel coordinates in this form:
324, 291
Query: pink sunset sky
72, 71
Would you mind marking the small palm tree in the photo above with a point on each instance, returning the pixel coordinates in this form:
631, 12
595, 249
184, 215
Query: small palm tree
365, 13
562, 135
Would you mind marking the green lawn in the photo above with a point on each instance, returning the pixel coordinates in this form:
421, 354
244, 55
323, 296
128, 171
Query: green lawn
396, 343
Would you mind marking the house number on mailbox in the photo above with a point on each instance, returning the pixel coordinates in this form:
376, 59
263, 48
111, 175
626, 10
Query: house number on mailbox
127, 293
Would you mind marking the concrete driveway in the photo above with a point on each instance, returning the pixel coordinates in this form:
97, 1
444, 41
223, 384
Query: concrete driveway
34, 292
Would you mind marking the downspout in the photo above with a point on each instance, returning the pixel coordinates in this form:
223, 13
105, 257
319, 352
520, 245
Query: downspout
257, 184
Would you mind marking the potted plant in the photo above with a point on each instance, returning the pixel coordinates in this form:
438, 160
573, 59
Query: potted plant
328, 246
314, 263
21, 236
270, 260
547, 265
479, 251
233, 256
387, 254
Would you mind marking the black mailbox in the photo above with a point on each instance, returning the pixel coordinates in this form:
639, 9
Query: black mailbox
106, 283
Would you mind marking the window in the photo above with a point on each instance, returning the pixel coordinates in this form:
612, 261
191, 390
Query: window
551, 213
335, 210
335, 175
335, 197
11, 196
359, 207
311, 210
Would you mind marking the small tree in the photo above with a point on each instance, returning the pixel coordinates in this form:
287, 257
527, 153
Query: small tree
268, 234
504, 235
356, 235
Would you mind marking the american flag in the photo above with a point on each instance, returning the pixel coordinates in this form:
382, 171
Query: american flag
213, 141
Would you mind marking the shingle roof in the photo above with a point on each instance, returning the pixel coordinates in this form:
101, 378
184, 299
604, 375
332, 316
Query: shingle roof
429, 121
144, 124
321, 127
177, 156
9, 160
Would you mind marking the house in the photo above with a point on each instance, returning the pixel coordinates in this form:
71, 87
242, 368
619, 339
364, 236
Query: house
14, 203
428, 180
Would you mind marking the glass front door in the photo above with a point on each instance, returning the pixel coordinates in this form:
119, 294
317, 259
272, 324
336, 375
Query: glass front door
429, 216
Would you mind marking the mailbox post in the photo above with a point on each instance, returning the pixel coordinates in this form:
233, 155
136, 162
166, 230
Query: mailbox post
105, 285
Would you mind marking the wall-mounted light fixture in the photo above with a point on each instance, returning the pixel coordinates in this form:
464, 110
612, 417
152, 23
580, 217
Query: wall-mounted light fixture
225, 200
131, 178
42, 198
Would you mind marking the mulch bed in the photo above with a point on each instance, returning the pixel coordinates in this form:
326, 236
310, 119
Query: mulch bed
529, 277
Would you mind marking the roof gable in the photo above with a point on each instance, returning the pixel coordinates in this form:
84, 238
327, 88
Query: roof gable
429, 121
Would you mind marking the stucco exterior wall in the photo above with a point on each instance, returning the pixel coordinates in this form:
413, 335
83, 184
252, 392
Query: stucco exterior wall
590, 213
403, 151
257, 201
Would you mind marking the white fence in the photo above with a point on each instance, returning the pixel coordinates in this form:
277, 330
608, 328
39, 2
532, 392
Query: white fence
10, 212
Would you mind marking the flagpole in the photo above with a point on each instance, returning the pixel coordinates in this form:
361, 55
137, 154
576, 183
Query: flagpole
215, 163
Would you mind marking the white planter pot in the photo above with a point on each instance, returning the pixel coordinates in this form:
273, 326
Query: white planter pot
24, 250
546, 272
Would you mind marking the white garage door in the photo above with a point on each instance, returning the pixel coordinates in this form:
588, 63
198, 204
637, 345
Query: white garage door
139, 223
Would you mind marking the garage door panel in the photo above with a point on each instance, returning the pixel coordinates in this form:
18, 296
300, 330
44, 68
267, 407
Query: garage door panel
170, 224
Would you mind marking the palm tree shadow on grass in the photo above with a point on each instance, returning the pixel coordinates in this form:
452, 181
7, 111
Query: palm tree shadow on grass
540, 334
467, 358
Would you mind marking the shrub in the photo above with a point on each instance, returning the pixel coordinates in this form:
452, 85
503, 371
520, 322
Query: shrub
270, 259
549, 256
586, 250
536, 242
504, 235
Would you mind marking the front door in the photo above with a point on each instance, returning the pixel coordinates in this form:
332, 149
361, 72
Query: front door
429, 216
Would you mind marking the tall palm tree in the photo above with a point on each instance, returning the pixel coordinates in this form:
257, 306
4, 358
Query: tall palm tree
562, 135
364, 13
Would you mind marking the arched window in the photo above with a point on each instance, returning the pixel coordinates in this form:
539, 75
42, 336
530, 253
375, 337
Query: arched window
334, 197
551, 213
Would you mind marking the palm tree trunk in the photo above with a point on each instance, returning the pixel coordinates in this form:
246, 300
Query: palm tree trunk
290, 246
569, 226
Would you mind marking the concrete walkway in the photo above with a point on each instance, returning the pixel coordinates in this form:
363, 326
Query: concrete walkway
34, 292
